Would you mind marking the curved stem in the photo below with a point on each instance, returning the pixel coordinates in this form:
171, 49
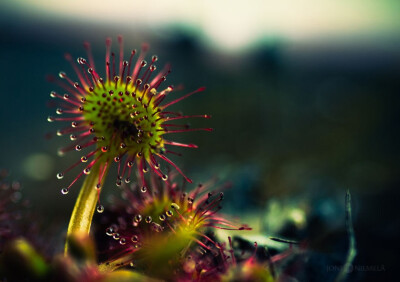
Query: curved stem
85, 205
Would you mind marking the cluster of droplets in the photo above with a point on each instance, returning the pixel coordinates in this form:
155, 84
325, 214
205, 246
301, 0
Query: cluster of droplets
122, 118
138, 219
165, 214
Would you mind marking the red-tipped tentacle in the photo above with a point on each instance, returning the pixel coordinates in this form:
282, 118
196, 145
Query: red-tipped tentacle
185, 130
175, 166
172, 143
68, 57
121, 54
108, 50
88, 49
133, 52
201, 89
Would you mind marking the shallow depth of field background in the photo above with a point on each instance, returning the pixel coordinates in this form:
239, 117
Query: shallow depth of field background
304, 97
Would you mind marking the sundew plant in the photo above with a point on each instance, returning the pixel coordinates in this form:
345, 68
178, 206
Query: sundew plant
160, 225
121, 118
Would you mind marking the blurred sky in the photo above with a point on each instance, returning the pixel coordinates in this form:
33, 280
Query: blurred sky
230, 25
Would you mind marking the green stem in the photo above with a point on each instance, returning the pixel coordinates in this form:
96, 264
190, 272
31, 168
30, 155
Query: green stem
85, 205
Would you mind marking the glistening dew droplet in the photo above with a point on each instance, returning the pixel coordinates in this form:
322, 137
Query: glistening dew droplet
135, 239
148, 219
100, 208
109, 231
175, 206
138, 218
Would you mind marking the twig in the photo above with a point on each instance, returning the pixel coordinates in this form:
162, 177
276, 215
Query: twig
352, 252
280, 240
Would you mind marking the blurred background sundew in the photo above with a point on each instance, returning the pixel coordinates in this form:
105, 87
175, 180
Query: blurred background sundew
303, 96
